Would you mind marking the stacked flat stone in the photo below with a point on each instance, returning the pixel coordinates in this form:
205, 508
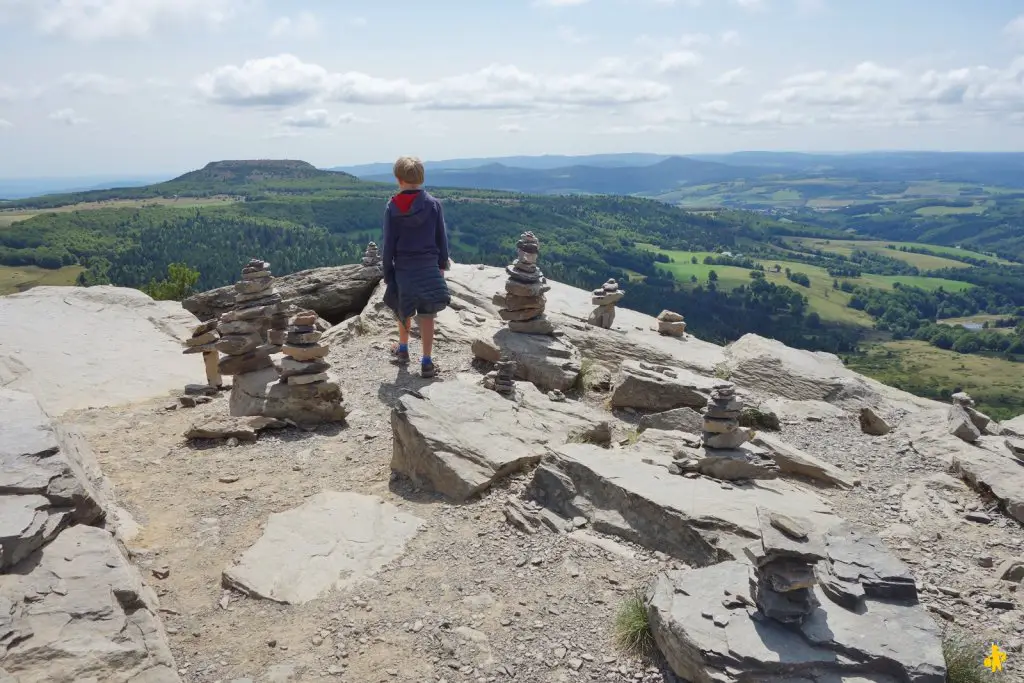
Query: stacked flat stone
524, 290
204, 340
505, 375
251, 332
782, 579
962, 399
671, 324
303, 361
372, 258
605, 297
722, 419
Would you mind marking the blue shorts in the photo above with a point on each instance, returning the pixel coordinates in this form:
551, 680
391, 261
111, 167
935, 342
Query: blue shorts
422, 292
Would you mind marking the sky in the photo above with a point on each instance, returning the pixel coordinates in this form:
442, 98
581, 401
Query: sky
100, 87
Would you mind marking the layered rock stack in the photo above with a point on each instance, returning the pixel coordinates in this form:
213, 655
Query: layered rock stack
204, 340
251, 332
303, 361
372, 258
722, 419
605, 298
505, 375
671, 324
524, 301
783, 578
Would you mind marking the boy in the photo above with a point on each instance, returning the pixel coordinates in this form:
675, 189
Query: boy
415, 258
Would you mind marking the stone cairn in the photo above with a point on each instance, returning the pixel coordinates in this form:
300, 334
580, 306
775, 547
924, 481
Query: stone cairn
671, 324
502, 378
254, 330
204, 340
525, 288
605, 298
371, 258
722, 419
783, 578
304, 354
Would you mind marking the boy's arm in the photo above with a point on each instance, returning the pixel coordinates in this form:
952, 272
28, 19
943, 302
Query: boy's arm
441, 235
390, 239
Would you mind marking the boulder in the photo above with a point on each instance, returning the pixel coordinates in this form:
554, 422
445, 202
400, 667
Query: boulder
334, 293
459, 438
633, 495
332, 541
737, 463
78, 611
659, 388
678, 444
548, 362
1014, 427
706, 642
679, 419
858, 566
241, 428
81, 347
795, 462
960, 424
872, 423
43, 486
984, 423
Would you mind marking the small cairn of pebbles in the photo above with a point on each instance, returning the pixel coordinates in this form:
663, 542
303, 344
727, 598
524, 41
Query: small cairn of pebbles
722, 419
250, 334
782, 578
671, 324
524, 300
605, 298
372, 258
204, 340
304, 356
504, 376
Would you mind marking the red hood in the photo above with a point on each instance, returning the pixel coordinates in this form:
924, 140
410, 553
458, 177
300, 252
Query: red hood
404, 200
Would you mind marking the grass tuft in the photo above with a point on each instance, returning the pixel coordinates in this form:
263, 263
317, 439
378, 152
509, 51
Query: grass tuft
583, 381
964, 659
632, 630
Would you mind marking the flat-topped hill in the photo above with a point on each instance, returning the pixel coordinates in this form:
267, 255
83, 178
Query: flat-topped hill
241, 172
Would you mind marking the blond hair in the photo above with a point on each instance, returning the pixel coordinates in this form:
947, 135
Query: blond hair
410, 170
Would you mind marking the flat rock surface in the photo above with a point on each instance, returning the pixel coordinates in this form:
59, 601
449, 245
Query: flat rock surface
795, 462
332, 541
632, 496
460, 437
76, 347
657, 387
77, 611
884, 642
548, 362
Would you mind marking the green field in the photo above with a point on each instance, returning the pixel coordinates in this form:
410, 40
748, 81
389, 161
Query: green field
925, 370
10, 216
922, 261
19, 278
829, 303
950, 210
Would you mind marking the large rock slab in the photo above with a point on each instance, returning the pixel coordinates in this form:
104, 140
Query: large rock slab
43, 487
632, 494
331, 541
548, 362
658, 387
334, 292
77, 611
881, 642
679, 419
81, 347
858, 566
792, 460
460, 437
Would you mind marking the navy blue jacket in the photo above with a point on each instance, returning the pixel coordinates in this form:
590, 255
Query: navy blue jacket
415, 236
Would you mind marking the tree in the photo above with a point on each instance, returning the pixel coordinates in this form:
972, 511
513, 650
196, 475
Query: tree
693, 259
712, 276
179, 284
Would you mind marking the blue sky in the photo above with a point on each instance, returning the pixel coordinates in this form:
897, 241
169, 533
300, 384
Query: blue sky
153, 86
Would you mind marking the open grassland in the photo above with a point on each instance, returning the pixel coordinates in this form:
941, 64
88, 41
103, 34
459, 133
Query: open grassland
922, 261
15, 279
950, 210
995, 383
10, 216
829, 303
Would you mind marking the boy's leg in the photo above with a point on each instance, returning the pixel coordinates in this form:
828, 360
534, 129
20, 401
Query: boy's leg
426, 322
402, 352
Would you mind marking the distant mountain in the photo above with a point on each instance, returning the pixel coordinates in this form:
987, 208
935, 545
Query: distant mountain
664, 176
546, 161
18, 188
253, 171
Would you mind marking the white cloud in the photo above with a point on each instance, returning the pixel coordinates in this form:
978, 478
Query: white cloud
285, 80
730, 37
694, 39
567, 34
680, 60
67, 116
7, 93
559, 3
1015, 28
732, 77
93, 83
100, 19
864, 84
4, 123
721, 113
320, 118
750, 4
303, 25
511, 128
